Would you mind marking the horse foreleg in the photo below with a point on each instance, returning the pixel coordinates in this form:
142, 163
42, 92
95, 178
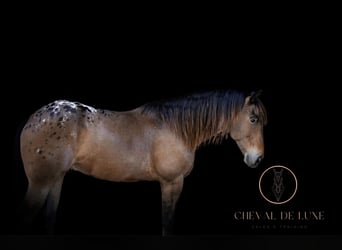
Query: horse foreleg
171, 191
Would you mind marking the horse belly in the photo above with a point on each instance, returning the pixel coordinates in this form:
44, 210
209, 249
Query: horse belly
115, 160
117, 167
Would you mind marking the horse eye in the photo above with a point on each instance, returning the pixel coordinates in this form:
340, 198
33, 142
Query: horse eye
253, 119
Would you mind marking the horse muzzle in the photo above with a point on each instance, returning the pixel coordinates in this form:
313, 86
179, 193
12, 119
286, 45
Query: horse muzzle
252, 159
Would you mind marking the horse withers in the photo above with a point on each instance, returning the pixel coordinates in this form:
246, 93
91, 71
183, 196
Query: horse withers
154, 142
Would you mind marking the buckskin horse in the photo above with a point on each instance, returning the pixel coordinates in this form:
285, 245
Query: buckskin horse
154, 142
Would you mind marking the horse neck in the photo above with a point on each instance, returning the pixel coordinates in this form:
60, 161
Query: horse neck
214, 135
198, 129
199, 119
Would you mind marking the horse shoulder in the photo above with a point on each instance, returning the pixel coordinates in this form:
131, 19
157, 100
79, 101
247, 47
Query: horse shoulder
171, 157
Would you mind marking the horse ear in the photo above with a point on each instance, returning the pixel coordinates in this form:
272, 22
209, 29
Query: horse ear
254, 96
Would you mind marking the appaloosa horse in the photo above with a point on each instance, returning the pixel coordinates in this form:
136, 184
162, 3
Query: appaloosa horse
155, 142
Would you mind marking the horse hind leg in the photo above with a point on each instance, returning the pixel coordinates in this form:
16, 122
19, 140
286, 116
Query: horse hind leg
37, 213
33, 202
50, 209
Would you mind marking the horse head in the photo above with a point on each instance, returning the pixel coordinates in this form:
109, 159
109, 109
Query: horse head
247, 129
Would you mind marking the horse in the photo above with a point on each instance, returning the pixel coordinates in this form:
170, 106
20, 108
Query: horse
156, 141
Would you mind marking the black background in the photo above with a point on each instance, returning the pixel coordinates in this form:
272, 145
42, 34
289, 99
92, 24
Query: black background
119, 64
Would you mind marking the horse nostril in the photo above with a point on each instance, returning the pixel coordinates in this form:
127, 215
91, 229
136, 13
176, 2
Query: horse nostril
258, 159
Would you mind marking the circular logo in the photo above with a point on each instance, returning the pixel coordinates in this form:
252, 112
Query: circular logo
278, 184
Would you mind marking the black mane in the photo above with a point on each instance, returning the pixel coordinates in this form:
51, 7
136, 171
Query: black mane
201, 117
